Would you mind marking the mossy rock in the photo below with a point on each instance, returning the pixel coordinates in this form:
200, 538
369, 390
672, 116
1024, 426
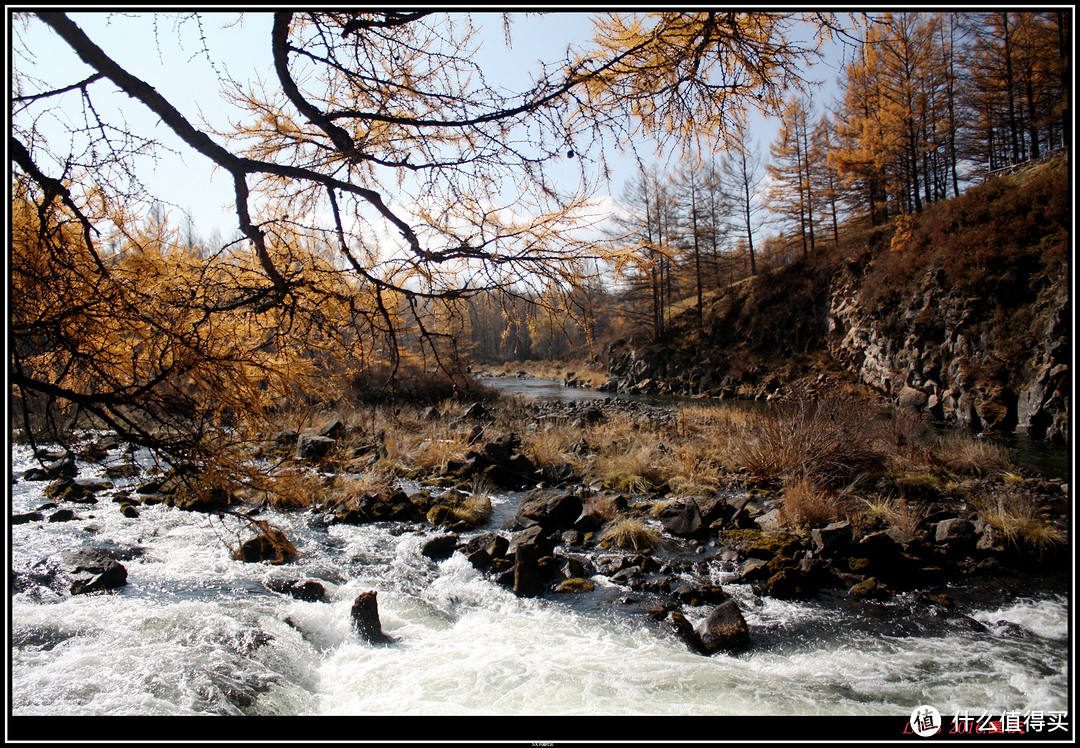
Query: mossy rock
760, 544
858, 565
576, 584
870, 589
129, 511
440, 515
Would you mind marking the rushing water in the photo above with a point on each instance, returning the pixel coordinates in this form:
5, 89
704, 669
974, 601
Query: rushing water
195, 633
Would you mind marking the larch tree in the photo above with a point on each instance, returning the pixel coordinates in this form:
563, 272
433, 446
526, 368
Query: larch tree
378, 181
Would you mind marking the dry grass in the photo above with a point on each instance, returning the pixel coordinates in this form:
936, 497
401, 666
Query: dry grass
968, 455
809, 505
1020, 520
630, 534
901, 513
827, 440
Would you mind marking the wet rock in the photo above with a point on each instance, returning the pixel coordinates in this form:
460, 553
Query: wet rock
365, 619
270, 545
22, 519
528, 581
576, 585
310, 590
92, 570
129, 510
682, 518
62, 515
956, 536
440, 548
700, 594
870, 589
66, 489
724, 629
63, 467
790, 584
685, 632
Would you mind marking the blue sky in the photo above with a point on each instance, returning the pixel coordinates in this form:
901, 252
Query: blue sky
168, 56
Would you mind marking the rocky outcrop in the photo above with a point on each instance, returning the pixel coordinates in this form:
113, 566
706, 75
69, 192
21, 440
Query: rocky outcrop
941, 352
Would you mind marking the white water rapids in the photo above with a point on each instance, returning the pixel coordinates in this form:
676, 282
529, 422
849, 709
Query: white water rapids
194, 632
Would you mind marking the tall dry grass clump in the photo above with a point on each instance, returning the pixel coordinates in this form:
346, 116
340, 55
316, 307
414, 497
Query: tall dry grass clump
809, 505
630, 534
901, 513
828, 440
1019, 518
967, 455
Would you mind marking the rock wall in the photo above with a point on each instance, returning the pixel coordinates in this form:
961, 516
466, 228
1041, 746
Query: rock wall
940, 352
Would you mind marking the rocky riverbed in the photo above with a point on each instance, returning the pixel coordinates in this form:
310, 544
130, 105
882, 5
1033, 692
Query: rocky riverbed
668, 554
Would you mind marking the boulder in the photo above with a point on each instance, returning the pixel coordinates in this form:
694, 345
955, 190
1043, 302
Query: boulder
724, 629
441, 547
501, 463
365, 619
552, 510
528, 581
313, 446
270, 545
333, 430
832, 539
682, 518
22, 519
685, 632
956, 533
310, 590
92, 570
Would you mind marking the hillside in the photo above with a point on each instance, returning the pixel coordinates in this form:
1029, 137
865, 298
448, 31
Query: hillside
961, 311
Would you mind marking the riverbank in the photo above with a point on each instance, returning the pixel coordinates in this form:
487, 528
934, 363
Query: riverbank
195, 630
812, 498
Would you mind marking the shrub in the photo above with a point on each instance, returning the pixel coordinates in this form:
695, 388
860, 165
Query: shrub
828, 440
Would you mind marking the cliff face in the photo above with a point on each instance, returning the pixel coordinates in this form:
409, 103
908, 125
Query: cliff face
963, 312
941, 351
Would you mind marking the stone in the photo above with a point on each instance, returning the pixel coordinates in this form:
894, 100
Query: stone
440, 548
271, 545
129, 511
365, 619
527, 577
954, 531
832, 539
790, 584
333, 430
22, 519
682, 518
551, 509
62, 515
576, 584
313, 446
724, 629
92, 570
685, 632
310, 590
870, 589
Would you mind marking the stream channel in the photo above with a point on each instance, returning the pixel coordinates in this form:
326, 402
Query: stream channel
194, 632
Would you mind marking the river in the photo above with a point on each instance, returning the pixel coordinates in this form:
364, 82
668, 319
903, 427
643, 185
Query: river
196, 633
